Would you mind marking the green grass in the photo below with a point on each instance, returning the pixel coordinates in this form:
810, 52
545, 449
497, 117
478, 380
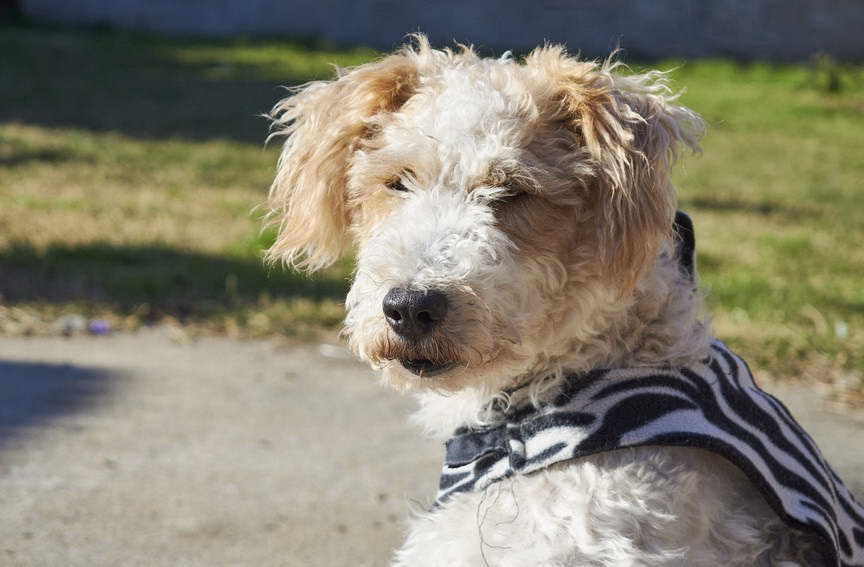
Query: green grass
777, 199
130, 167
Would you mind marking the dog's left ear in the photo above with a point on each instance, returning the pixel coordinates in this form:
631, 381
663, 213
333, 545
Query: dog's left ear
646, 203
631, 130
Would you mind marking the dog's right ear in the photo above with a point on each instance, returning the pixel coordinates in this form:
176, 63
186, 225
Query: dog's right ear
325, 122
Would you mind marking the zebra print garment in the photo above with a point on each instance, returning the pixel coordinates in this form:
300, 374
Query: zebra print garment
714, 405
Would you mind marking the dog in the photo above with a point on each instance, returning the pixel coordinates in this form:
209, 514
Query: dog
513, 227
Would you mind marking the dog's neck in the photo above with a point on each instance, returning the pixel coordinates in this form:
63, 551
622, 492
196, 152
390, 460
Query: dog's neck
662, 325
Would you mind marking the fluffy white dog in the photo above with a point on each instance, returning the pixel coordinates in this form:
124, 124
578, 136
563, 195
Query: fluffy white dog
513, 228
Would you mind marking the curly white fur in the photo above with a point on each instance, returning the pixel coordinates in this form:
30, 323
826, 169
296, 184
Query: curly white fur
536, 195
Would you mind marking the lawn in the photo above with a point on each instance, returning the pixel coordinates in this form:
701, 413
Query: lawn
131, 166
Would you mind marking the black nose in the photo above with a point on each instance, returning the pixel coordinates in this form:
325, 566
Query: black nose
413, 314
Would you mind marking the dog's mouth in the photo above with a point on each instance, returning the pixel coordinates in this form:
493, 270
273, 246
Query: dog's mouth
425, 368
432, 356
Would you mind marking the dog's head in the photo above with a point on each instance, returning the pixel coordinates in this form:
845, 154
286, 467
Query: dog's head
502, 211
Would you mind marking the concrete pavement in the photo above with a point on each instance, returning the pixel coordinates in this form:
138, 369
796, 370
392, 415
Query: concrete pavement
136, 450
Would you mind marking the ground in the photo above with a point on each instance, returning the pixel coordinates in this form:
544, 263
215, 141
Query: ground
221, 452
214, 452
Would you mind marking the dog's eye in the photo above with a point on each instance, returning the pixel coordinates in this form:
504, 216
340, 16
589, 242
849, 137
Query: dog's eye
397, 185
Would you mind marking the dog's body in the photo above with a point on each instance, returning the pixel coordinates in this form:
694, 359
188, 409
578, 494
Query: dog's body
513, 224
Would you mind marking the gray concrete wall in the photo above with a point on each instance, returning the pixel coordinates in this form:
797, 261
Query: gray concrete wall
750, 29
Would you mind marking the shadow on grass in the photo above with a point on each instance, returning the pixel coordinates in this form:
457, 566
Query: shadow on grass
764, 208
32, 393
140, 85
22, 157
843, 306
164, 280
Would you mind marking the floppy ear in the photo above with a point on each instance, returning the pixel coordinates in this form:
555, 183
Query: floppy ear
325, 121
631, 130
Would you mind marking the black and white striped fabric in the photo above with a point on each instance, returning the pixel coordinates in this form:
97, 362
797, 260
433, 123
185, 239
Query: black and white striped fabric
714, 405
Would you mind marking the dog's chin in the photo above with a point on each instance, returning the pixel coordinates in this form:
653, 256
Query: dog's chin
492, 374
425, 368
421, 374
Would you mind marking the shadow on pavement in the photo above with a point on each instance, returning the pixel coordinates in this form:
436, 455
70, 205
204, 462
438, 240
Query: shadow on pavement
32, 393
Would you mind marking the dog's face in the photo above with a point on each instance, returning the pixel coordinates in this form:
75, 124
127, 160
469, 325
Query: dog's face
502, 212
